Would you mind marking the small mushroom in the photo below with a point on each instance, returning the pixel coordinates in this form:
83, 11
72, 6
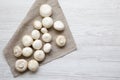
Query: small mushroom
21, 65
39, 55
44, 30
47, 22
45, 10
35, 34
46, 37
37, 24
27, 51
27, 40
47, 47
59, 26
17, 51
33, 65
37, 44
61, 40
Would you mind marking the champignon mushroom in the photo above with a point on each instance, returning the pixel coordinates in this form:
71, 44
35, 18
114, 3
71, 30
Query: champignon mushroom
37, 24
44, 30
59, 26
27, 40
33, 65
61, 40
27, 51
47, 22
46, 37
35, 34
47, 47
37, 44
39, 55
21, 65
17, 51
45, 10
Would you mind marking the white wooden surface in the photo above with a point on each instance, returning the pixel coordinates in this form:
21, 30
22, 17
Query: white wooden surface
95, 25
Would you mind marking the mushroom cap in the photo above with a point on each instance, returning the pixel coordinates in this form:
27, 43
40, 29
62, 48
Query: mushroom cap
59, 26
21, 65
27, 51
46, 37
17, 51
39, 55
37, 24
45, 10
61, 40
47, 22
37, 44
44, 30
33, 65
27, 40
35, 34
47, 47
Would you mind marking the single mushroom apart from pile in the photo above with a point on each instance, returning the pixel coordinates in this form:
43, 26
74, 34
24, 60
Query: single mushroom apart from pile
61, 40
59, 26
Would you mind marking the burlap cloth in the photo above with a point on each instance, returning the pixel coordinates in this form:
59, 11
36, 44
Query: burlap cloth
26, 28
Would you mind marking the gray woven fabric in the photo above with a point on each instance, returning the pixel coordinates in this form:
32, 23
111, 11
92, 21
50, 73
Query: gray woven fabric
26, 28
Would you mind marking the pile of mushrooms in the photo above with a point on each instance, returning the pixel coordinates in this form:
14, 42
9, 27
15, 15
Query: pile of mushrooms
33, 45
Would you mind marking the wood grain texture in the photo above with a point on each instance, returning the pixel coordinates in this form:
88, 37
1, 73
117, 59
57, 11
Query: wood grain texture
96, 29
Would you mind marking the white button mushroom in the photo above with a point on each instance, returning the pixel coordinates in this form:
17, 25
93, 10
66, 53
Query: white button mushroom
37, 24
37, 44
47, 47
47, 22
39, 55
21, 65
27, 51
61, 40
17, 51
35, 34
44, 30
33, 65
59, 26
45, 10
27, 40
46, 37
